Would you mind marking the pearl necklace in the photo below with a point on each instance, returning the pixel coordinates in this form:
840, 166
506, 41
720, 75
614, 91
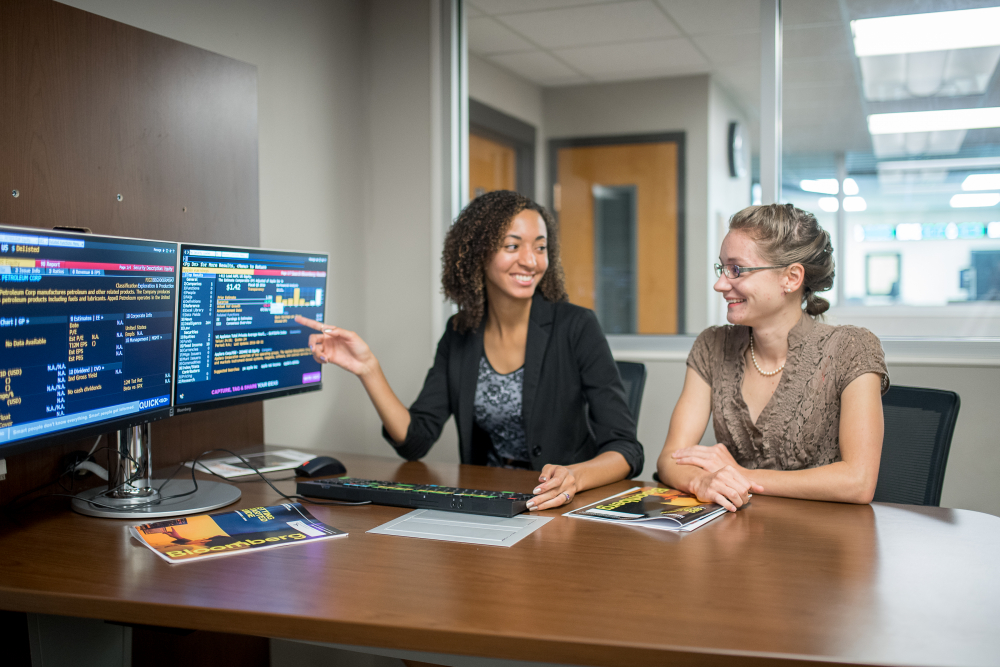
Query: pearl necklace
754, 357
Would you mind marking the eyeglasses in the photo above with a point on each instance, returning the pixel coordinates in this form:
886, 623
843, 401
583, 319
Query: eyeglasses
734, 270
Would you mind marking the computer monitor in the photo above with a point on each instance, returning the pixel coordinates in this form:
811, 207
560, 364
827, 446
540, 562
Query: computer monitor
87, 328
237, 339
87, 325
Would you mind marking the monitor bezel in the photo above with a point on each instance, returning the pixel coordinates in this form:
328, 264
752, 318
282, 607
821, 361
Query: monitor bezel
71, 435
213, 403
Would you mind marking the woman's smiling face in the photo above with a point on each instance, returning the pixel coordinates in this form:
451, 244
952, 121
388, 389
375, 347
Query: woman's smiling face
753, 296
518, 266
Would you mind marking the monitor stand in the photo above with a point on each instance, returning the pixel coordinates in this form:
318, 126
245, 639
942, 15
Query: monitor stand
131, 494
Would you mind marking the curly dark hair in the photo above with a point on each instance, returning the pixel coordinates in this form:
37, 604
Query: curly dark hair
471, 244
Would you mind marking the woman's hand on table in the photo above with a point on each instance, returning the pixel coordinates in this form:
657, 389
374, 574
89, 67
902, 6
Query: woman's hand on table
709, 459
726, 486
339, 346
557, 486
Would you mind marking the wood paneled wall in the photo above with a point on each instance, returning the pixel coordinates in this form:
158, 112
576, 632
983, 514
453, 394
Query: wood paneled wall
91, 109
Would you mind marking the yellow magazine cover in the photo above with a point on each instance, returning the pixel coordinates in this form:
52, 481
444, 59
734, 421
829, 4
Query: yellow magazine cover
652, 507
210, 535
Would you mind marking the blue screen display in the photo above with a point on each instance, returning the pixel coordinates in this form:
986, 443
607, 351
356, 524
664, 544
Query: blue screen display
86, 330
237, 335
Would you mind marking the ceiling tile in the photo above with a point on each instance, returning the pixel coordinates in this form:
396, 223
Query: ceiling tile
745, 77
813, 71
834, 97
539, 67
711, 16
600, 24
730, 49
634, 59
808, 139
487, 36
808, 12
743, 83
828, 41
494, 7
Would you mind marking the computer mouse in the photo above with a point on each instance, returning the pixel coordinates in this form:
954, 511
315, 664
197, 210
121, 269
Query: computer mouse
321, 466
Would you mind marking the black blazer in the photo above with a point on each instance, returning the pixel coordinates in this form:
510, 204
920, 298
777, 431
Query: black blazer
568, 371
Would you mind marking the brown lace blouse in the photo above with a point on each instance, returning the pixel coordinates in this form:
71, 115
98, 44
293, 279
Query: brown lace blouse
799, 427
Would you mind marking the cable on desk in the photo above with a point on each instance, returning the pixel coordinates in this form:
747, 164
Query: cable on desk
12, 505
268, 482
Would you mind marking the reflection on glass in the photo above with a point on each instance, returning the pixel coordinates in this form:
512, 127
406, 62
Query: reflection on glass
892, 137
614, 257
882, 275
984, 281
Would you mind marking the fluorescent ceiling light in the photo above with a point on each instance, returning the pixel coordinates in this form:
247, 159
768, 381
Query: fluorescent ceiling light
981, 182
954, 164
933, 121
977, 200
938, 31
829, 204
909, 231
993, 230
850, 188
824, 186
855, 204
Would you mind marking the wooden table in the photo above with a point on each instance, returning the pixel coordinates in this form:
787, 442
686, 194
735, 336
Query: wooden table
808, 582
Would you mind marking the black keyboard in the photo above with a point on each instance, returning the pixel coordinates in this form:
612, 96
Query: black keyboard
417, 496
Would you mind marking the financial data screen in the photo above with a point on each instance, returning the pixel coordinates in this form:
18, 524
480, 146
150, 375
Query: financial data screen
86, 324
237, 335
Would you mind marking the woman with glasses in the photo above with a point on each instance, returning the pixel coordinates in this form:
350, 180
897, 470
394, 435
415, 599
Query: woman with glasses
796, 403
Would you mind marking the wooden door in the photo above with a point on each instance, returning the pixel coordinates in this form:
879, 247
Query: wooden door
650, 172
491, 166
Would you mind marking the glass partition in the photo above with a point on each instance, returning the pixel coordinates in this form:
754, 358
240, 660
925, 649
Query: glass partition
645, 114
892, 137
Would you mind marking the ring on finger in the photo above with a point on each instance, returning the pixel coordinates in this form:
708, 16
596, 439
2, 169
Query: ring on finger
568, 499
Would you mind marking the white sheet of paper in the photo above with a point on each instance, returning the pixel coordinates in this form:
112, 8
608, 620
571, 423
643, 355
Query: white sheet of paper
460, 527
231, 466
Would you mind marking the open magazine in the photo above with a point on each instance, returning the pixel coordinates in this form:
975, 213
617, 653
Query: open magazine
652, 507
211, 535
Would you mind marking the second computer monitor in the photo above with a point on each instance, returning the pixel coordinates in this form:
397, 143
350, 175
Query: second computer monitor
237, 337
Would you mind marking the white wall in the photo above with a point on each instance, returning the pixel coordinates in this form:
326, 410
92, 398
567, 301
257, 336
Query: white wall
400, 226
726, 194
656, 105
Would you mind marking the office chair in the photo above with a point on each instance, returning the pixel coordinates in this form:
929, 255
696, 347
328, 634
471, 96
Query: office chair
633, 376
919, 424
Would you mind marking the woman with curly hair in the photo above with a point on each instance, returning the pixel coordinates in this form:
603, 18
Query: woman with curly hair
796, 403
528, 376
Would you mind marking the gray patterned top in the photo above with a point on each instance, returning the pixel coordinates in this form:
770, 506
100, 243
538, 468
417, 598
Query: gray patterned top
498, 412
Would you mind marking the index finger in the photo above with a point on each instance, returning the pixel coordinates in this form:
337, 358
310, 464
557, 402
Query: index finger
313, 324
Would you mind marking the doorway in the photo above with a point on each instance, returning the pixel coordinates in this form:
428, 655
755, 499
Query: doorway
501, 152
491, 166
619, 201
